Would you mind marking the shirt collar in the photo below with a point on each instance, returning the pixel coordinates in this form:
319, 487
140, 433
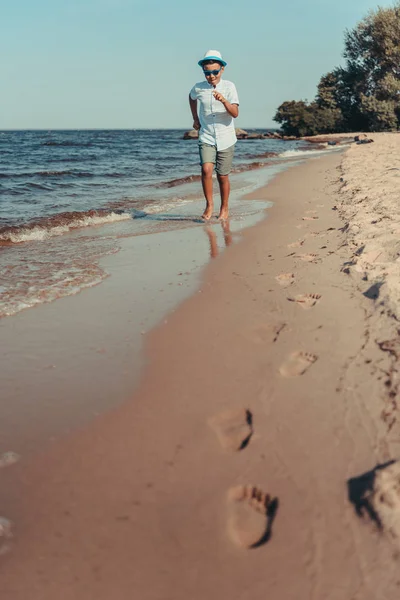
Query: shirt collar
210, 85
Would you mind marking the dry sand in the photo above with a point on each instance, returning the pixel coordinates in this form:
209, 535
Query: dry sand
369, 204
154, 501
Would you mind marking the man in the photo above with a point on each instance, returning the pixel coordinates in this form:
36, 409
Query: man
215, 104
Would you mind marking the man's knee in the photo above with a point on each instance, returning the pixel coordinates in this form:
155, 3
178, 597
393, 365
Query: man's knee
207, 169
222, 178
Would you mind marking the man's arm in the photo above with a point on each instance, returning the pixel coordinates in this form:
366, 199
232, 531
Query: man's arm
232, 109
193, 108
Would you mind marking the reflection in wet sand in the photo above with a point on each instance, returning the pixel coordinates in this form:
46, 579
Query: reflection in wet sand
212, 237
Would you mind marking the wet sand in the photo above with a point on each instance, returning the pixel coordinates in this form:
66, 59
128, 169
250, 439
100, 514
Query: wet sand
64, 363
146, 501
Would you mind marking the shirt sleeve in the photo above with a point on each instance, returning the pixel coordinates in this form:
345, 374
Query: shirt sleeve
193, 93
233, 97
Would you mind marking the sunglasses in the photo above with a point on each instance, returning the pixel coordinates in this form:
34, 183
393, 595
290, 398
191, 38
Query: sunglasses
208, 73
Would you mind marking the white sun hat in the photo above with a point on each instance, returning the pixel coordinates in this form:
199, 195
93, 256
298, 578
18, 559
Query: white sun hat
212, 55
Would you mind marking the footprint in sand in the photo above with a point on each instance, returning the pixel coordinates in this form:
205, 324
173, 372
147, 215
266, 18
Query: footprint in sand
285, 279
307, 257
248, 518
267, 332
306, 301
310, 218
297, 364
234, 428
5, 535
296, 244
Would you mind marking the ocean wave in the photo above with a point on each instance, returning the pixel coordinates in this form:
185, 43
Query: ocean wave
50, 173
80, 158
160, 207
238, 169
250, 166
69, 287
67, 143
179, 181
298, 153
45, 174
36, 186
263, 155
58, 225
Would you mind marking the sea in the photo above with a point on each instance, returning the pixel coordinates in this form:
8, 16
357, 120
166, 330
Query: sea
67, 198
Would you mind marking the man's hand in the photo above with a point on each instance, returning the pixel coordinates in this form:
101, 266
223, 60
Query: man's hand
219, 97
232, 109
196, 124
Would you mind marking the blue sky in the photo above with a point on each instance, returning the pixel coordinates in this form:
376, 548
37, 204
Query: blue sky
131, 63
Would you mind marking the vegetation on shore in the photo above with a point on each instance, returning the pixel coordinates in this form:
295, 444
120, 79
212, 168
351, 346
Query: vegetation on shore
364, 95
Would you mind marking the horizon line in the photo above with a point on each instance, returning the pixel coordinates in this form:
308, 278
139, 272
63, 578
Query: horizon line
114, 128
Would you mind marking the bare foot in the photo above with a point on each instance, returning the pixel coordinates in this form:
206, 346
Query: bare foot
207, 214
306, 300
223, 215
285, 279
248, 519
297, 364
233, 428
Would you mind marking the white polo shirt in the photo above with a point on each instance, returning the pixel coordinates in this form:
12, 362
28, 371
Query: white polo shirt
216, 124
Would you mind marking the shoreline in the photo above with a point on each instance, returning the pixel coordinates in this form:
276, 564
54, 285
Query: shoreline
97, 335
159, 530
65, 252
60, 223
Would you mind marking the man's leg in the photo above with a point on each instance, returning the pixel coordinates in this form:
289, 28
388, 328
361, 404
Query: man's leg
223, 168
208, 155
224, 188
207, 183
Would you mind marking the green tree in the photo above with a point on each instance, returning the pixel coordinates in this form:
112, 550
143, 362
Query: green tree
373, 46
325, 119
372, 52
362, 95
381, 115
328, 91
350, 86
293, 117
301, 118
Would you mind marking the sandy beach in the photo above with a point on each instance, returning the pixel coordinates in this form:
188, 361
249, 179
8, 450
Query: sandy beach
264, 405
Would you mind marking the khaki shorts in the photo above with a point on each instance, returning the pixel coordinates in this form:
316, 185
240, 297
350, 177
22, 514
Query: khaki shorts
222, 158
